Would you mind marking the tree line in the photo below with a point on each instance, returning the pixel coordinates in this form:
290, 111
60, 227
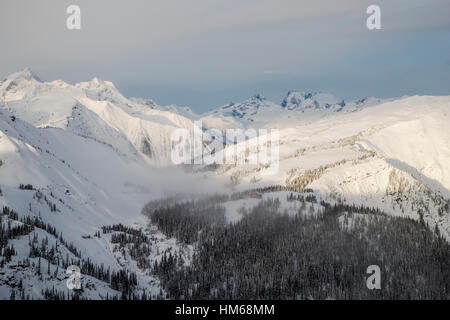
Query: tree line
269, 254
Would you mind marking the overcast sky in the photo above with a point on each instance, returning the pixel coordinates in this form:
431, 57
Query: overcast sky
205, 53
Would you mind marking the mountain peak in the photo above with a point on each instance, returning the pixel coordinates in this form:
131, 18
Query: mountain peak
297, 100
100, 82
258, 97
97, 82
26, 74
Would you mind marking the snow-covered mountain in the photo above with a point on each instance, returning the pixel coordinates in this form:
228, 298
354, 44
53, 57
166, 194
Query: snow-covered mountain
257, 109
301, 101
183, 111
394, 155
77, 158
296, 106
94, 109
317, 103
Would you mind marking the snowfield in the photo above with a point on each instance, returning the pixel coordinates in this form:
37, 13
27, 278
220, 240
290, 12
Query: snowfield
94, 158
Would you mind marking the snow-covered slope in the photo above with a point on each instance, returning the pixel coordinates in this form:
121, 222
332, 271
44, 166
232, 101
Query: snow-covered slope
78, 158
96, 110
183, 111
395, 156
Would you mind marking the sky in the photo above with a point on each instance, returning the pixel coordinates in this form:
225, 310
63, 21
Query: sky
206, 53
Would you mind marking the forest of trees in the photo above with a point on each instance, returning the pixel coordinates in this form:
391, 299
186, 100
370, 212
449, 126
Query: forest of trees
269, 254
320, 252
185, 220
13, 227
135, 240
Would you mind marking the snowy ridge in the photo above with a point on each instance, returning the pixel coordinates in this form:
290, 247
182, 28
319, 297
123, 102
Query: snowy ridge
256, 109
302, 101
323, 104
295, 107
60, 105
